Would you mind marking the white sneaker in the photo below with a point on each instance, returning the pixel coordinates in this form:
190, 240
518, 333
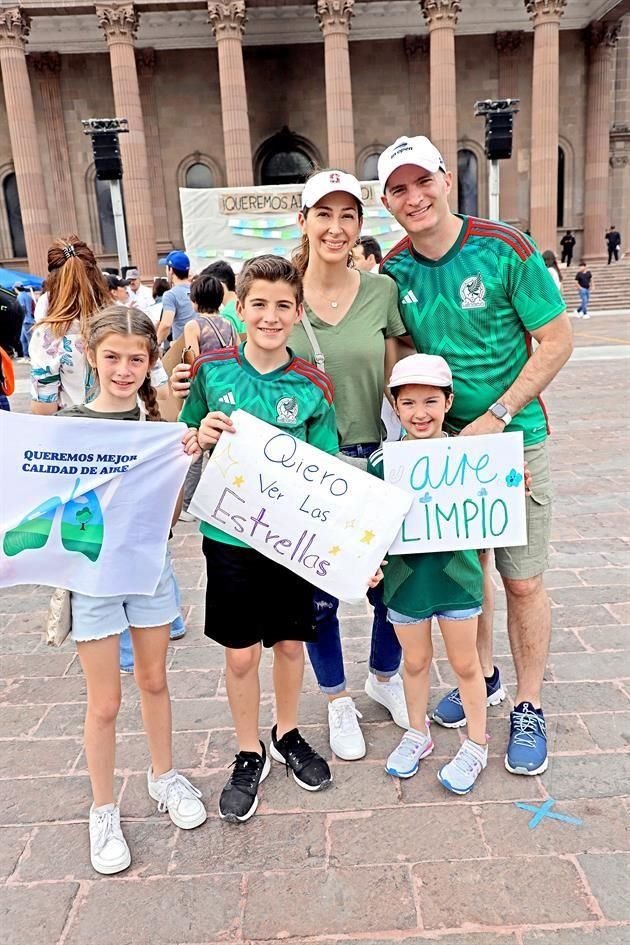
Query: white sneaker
405, 759
185, 516
586, 315
391, 695
346, 737
109, 852
175, 794
460, 774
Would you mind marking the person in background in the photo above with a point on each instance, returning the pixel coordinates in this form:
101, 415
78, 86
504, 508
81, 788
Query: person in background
222, 271
584, 279
367, 254
26, 301
552, 266
118, 289
139, 296
613, 242
177, 308
567, 242
160, 287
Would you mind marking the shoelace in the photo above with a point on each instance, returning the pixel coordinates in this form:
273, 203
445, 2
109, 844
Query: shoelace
300, 752
467, 761
345, 714
454, 697
409, 746
245, 772
107, 825
177, 787
527, 725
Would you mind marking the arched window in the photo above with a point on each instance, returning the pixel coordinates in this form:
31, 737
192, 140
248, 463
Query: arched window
561, 177
467, 182
105, 215
14, 215
285, 159
199, 176
369, 170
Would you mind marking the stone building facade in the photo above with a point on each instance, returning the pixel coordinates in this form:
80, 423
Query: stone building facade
246, 92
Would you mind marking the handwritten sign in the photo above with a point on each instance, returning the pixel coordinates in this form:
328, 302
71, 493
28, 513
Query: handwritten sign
310, 512
75, 507
468, 492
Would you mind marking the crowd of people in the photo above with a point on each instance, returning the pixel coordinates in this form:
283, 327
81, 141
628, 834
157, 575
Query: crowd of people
437, 336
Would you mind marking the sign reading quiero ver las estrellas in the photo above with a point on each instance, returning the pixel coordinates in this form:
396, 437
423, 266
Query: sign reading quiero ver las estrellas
468, 492
322, 518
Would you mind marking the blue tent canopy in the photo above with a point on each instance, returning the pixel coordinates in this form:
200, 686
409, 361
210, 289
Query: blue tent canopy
11, 277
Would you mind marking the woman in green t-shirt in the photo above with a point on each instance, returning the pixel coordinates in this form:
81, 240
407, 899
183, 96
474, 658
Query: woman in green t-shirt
354, 320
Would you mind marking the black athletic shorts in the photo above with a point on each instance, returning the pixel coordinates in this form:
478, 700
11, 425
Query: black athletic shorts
251, 599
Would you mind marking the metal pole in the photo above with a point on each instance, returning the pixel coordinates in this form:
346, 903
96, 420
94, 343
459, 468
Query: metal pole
493, 190
119, 223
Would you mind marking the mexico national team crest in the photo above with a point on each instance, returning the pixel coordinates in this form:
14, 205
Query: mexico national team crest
473, 292
287, 410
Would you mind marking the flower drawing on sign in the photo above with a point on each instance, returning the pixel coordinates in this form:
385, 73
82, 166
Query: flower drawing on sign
513, 478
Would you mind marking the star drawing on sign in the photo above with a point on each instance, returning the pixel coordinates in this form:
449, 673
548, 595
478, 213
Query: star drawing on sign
367, 537
238, 481
334, 550
222, 458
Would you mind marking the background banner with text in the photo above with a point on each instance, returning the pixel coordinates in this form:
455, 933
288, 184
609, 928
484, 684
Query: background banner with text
310, 512
87, 504
468, 492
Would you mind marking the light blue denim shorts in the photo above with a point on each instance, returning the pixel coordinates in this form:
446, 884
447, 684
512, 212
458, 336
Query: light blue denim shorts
94, 618
394, 617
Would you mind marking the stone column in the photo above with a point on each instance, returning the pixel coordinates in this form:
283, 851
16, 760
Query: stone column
601, 39
14, 29
545, 15
145, 64
120, 22
441, 17
619, 199
334, 20
228, 25
508, 45
47, 67
417, 52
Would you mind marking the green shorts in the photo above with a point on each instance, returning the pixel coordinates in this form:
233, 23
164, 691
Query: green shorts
530, 560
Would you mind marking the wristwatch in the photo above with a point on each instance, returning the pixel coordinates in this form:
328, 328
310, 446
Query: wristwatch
501, 412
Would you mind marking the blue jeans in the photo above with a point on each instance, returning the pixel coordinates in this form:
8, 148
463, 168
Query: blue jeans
126, 646
584, 297
326, 654
25, 335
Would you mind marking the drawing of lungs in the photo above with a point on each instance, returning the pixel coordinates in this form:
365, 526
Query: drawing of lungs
82, 525
34, 529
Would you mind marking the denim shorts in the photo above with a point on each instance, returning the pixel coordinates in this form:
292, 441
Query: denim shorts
94, 618
394, 617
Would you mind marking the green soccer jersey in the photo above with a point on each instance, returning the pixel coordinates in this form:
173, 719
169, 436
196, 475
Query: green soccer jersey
421, 585
296, 397
476, 306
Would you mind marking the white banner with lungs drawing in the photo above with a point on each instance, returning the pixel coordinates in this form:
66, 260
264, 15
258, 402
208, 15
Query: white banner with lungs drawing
87, 504
324, 519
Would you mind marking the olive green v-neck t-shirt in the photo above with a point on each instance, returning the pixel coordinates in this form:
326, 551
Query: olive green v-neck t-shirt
355, 355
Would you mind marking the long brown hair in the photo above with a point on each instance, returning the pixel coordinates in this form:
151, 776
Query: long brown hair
300, 255
76, 287
121, 320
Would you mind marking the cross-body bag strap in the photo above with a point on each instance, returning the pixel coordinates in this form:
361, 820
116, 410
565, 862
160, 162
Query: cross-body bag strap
320, 360
210, 321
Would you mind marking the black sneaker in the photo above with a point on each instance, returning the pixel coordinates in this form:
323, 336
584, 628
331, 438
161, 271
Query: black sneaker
309, 769
239, 797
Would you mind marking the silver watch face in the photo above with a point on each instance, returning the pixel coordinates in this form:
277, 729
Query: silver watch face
499, 411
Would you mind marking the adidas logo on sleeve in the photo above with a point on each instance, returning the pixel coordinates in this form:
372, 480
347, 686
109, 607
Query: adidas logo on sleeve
409, 298
227, 398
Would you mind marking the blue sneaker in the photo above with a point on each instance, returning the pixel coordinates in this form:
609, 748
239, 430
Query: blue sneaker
527, 748
178, 629
449, 711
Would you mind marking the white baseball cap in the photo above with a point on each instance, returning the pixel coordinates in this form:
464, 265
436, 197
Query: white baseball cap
330, 182
418, 151
429, 369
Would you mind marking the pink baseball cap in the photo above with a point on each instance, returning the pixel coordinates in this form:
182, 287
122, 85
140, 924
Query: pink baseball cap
429, 369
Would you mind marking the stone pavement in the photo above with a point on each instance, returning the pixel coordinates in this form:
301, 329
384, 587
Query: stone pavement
372, 860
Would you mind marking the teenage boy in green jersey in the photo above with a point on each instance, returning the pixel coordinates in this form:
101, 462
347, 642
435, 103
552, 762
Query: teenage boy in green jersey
251, 600
476, 292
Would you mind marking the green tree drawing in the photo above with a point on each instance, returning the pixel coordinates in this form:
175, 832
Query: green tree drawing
84, 516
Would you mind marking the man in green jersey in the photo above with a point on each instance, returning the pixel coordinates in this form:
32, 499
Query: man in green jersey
476, 292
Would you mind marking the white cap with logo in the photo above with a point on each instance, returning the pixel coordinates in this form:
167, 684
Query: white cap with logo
418, 151
428, 369
330, 182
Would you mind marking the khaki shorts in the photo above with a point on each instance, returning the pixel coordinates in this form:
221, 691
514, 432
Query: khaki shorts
527, 561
